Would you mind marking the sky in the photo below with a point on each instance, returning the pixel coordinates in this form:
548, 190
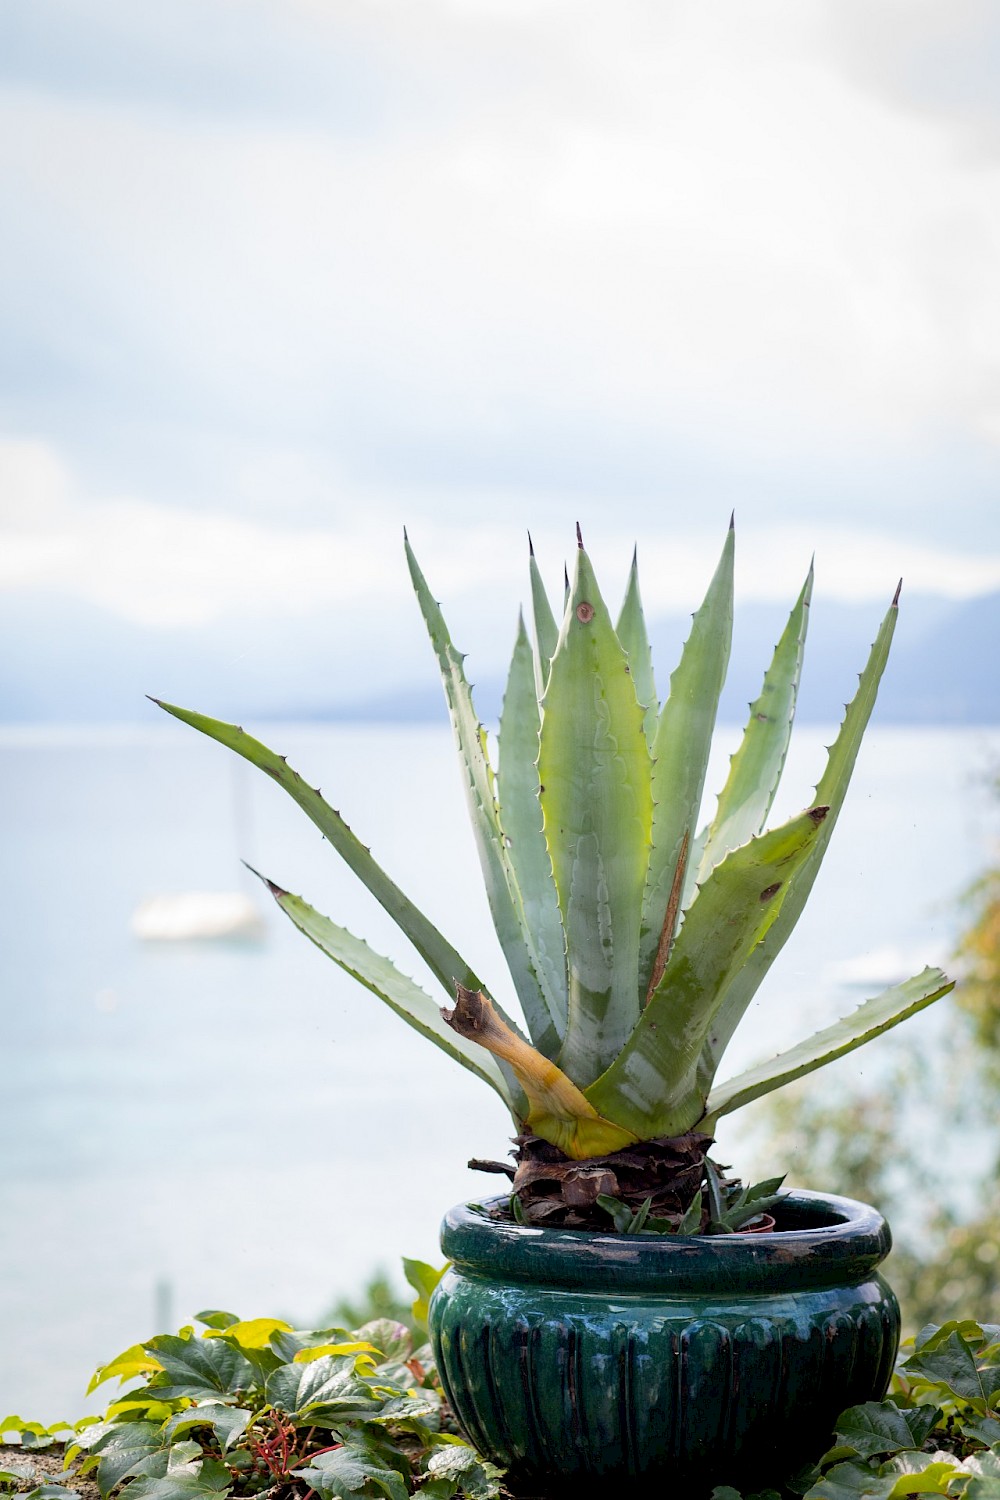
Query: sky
281, 276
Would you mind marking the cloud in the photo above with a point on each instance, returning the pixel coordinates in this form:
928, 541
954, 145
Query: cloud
939, 60
168, 566
661, 218
172, 567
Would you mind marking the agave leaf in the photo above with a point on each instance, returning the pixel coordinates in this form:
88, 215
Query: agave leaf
620, 1212
557, 1110
689, 886
755, 769
871, 1018
521, 817
632, 633
401, 994
441, 958
546, 629
542, 1006
652, 1087
830, 791
680, 754
596, 796
691, 1222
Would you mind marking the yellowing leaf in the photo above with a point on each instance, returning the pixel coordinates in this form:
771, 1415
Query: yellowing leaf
557, 1110
130, 1363
936, 1479
255, 1333
153, 1411
423, 1279
306, 1356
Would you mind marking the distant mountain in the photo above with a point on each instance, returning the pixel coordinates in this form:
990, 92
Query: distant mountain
951, 674
71, 662
943, 668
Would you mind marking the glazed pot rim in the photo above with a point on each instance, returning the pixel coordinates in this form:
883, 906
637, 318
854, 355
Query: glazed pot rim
825, 1240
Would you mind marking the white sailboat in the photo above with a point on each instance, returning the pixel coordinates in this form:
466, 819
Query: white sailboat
198, 916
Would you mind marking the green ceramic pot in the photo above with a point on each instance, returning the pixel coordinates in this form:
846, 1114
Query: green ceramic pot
573, 1358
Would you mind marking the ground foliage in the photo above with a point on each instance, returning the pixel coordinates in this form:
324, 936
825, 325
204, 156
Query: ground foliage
938, 1433
255, 1408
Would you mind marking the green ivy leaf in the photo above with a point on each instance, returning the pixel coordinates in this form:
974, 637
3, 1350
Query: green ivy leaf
455, 1468
881, 1427
851, 1481
213, 1318
987, 1488
122, 1447
184, 1456
349, 1472
211, 1480
200, 1367
419, 1409
948, 1359
982, 1336
227, 1422
983, 1429
921, 1474
287, 1345
17, 1474
261, 1360
328, 1385
393, 1339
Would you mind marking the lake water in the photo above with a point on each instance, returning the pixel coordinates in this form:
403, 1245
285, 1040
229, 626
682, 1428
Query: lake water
246, 1126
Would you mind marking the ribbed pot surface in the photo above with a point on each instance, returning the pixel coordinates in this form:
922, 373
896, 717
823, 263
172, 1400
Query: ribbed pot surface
573, 1358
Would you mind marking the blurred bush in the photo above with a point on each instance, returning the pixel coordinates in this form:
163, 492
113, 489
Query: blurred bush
921, 1141
378, 1298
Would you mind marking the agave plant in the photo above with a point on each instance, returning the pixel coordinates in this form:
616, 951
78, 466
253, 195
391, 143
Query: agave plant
635, 941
